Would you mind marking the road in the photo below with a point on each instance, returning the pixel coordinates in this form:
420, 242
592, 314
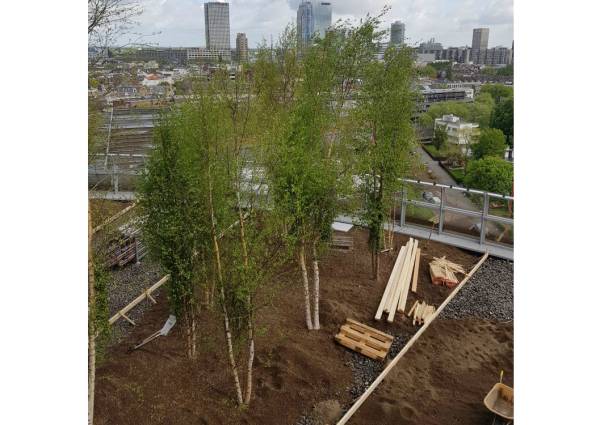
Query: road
439, 175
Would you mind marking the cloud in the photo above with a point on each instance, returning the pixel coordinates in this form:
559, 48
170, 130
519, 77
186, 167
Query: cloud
451, 22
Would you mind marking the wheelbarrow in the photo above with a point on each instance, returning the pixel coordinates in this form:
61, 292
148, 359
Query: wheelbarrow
500, 401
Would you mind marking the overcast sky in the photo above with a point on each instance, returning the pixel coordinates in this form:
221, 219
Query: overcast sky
451, 22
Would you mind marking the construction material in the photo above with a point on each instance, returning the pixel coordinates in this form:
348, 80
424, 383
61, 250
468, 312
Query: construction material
412, 309
163, 332
443, 272
407, 278
389, 286
398, 285
394, 276
139, 299
364, 339
396, 291
421, 312
416, 271
408, 345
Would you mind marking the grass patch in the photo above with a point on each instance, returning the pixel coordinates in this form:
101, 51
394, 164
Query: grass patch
435, 153
457, 174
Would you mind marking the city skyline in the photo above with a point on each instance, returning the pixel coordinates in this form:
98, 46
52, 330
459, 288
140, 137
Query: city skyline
451, 22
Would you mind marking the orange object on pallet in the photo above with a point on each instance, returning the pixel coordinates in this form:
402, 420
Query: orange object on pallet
443, 272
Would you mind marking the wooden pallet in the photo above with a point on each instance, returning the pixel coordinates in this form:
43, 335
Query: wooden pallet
364, 339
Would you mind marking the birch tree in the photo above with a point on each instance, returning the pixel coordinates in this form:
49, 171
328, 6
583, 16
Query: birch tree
303, 173
384, 138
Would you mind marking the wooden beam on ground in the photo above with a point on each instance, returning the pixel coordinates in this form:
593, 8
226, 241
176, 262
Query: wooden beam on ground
139, 299
388, 288
126, 318
416, 271
409, 344
150, 297
412, 309
406, 283
394, 278
400, 281
113, 218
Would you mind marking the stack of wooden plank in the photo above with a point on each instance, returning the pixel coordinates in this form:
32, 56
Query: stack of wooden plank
396, 291
421, 312
443, 272
364, 339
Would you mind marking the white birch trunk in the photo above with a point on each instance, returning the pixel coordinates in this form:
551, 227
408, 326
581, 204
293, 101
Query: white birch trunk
232, 361
92, 324
302, 261
316, 283
250, 361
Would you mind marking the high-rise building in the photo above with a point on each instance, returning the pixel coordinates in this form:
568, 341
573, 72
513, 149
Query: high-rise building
322, 14
397, 33
305, 22
479, 44
216, 25
241, 47
313, 18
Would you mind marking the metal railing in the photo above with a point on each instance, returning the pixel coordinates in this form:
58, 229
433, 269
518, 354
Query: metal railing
457, 211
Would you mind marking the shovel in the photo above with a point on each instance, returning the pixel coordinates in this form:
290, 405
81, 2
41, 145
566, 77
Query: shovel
163, 332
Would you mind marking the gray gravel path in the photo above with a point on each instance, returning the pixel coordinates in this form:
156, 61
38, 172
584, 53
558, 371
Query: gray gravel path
126, 284
487, 295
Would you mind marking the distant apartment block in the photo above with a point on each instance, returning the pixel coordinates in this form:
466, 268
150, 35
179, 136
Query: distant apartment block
498, 56
241, 47
397, 33
431, 47
459, 132
170, 54
457, 54
216, 26
202, 55
430, 96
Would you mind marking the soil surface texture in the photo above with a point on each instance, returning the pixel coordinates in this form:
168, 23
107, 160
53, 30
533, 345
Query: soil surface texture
301, 376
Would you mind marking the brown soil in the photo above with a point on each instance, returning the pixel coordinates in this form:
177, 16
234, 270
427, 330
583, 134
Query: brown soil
444, 377
295, 369
103, 209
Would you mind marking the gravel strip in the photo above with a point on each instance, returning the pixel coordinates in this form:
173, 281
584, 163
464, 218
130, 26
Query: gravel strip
487, 295
365, 370
126, 284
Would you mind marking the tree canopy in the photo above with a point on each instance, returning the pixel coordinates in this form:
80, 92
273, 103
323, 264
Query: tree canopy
479, 111
491, 143
440, 137
498, 91
503, 118
490, 174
